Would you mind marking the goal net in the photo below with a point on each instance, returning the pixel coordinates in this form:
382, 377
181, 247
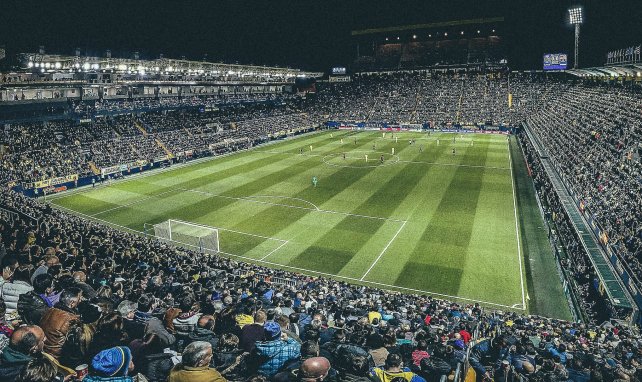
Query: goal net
192, 236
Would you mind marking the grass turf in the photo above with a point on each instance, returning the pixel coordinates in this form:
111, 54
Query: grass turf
423, 220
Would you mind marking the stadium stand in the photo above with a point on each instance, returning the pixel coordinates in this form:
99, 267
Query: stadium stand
93, 295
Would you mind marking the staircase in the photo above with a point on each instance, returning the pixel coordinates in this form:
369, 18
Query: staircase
94, 168
162, 146
141, 128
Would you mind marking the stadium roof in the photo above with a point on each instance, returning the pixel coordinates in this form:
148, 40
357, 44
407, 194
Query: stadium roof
414, 27
61, 63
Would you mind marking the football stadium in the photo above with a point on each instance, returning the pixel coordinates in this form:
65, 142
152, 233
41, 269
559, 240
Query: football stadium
449, 194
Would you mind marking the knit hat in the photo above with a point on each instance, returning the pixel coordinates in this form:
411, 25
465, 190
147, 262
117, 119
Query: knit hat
112, 362
272, 330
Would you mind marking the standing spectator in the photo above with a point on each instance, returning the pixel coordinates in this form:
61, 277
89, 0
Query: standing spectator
251, 333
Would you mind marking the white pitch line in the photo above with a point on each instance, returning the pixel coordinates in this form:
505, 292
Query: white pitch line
398, 161
455, 165
519, 246
382, 252
251, 200
107, 223
132, 203
274, 250
285, 197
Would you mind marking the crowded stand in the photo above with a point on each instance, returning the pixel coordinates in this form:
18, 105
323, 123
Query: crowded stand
593, 134
417, 98
78, 297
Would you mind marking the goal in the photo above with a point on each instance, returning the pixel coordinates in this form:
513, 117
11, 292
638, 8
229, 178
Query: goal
196, 237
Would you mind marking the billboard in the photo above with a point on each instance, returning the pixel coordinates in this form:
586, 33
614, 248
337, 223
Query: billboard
555, 61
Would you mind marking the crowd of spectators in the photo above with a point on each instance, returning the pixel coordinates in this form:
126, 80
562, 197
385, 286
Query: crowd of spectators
417, 98
76, 293
593, 133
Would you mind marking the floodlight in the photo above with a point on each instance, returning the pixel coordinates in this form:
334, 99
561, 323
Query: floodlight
575, 15
85, 66
30, 64
58, 65
576, 18
414, 36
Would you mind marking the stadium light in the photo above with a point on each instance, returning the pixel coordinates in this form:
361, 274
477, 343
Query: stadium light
576, 17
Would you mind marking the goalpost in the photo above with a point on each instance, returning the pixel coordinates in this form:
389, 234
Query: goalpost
193, 236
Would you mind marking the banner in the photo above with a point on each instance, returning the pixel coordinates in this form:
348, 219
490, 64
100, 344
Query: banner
55, 181
122, 167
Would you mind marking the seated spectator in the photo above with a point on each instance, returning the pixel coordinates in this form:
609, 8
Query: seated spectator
112, 365
394, 370
40, 369
205, 331
33, 305
6, 329
20, 284
194, 366
270, 355
134, 329
150, 358
59, 320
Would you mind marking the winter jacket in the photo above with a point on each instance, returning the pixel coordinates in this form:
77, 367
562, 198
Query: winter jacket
155, 367
31, 307
200, 334
56, 323
11, 292
93, 378
182, 373
11, 363
380, 375
155, 326
271, 355
186, 323
250, 334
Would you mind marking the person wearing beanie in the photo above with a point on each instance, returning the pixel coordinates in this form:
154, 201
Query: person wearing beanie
270, 355
111, 365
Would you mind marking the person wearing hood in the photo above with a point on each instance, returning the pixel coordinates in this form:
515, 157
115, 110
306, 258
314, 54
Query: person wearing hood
270, 355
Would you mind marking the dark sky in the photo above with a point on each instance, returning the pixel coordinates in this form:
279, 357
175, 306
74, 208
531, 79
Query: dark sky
307, 34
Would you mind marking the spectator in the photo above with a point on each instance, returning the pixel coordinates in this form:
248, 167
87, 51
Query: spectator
111, 365
33, 305
270, 355
58, 321
11, 291
251, 333
39, 369
195, 365
393, 370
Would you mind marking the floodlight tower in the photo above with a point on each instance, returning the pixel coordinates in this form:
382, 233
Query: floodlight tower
576, 18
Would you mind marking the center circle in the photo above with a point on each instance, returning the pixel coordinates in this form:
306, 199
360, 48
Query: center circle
357, 159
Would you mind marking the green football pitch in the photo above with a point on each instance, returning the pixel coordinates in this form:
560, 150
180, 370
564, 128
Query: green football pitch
438, 216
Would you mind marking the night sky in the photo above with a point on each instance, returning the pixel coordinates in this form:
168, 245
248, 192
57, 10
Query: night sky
312, 35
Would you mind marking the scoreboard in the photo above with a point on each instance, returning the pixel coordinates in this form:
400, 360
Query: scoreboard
555, 61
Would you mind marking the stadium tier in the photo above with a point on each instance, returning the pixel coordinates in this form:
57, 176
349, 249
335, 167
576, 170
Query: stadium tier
479, 225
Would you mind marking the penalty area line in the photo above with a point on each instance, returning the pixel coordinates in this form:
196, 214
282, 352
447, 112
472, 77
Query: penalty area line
383, 251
